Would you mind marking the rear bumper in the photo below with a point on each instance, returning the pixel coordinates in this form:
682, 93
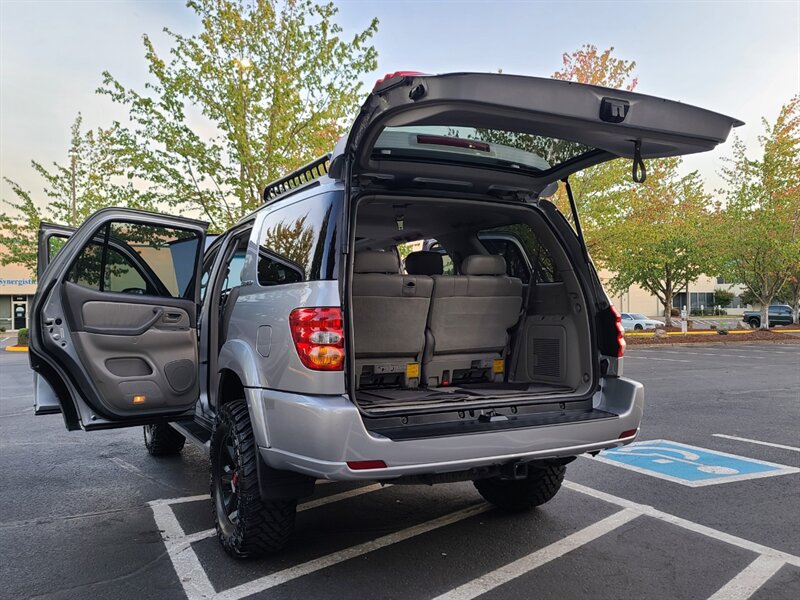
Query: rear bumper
318, 435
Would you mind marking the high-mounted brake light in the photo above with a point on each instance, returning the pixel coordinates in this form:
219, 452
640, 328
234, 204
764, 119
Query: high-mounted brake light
396, 75
621, 344
318, 337
443, 140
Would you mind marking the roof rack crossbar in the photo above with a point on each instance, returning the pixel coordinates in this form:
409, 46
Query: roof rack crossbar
305, 174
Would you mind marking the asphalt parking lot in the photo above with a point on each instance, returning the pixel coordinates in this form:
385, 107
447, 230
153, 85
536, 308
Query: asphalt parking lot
92, 515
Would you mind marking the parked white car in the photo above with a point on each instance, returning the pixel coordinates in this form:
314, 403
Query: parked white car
639, 322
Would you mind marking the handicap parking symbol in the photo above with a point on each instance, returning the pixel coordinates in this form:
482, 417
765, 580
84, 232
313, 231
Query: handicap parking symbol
689, 465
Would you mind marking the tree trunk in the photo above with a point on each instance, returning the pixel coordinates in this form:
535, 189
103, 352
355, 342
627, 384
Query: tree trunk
668, 307
764, 313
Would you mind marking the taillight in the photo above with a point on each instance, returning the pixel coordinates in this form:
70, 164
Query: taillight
620, 331
318, 337
611, 335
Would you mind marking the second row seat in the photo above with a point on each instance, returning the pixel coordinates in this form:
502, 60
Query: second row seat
469, 317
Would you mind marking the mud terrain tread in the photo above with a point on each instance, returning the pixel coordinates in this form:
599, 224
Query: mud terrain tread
164, 440
264, 526
539, 487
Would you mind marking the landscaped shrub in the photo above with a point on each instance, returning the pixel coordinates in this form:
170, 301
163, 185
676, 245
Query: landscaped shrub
22, 337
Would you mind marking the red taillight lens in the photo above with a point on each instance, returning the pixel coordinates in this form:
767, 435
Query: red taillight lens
363, 465
620, 332
628, 433
318, 337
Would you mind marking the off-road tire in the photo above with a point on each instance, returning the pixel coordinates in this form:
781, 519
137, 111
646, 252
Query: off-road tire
260, 526
162, 440
541, 484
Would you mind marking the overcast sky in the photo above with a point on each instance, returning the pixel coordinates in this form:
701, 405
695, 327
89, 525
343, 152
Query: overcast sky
738, 58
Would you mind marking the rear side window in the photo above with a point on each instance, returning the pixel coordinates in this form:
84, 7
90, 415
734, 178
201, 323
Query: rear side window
133, 258
508, 249
298, 241
447, 263
507, 242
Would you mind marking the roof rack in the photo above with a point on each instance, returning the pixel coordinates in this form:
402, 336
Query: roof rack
305, 174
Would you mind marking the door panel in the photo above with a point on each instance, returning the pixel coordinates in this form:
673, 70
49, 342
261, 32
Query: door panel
115, 332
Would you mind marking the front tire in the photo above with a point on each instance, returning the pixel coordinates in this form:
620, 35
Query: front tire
638, 327
754, 323
541, 484
247, 526
163, 440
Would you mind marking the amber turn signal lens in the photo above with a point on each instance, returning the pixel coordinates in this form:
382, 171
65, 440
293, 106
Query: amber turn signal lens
139, 399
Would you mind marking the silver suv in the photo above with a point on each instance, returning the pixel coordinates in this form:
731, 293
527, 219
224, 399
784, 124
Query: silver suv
408, 309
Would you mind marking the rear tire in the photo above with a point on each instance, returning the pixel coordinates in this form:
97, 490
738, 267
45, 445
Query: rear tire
163, 440
638, 327
541, 484
247, 526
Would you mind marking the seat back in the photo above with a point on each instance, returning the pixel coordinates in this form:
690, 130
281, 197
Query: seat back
469, 320
390, 312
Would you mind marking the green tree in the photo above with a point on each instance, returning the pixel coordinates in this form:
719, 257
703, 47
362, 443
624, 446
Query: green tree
264, 87
600, 190
658, 241
790, 294
723, 298
758, 227
93, 177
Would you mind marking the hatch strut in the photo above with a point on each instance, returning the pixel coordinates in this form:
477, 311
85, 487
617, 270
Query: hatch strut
576, 220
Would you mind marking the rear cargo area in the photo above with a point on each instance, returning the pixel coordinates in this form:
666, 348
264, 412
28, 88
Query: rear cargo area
462, 303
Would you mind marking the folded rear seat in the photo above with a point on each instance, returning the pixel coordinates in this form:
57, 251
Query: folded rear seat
468, 323
390, 312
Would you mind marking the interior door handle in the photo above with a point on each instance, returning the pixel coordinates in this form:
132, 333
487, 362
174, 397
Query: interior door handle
172, 317
157, 313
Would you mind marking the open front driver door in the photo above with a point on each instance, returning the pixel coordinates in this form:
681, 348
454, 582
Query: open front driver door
114, 322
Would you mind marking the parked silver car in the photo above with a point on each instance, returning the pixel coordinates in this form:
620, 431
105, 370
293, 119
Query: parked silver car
297, 348
638, 322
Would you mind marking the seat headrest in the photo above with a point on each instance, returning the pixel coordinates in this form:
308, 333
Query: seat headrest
424, 262
483, 264
376, 261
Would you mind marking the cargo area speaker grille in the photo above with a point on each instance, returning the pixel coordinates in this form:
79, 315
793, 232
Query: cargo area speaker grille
547, 357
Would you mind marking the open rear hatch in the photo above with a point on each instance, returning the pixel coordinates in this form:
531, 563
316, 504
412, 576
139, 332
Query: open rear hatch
482, 138
593, 124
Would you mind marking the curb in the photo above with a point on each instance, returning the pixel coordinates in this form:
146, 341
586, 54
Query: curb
706, 344
16, 348
711, 332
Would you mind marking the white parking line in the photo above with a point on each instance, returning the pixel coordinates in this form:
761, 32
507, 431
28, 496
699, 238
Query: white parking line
193, 578
746, 583
207, 533
281, 577
682, 352
741, 439
506, 573
686, 524
659, 359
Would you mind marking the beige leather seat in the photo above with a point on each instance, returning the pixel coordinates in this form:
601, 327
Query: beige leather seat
390, 312
469, 319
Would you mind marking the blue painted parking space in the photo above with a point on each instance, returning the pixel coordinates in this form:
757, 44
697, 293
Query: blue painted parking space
689, 465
